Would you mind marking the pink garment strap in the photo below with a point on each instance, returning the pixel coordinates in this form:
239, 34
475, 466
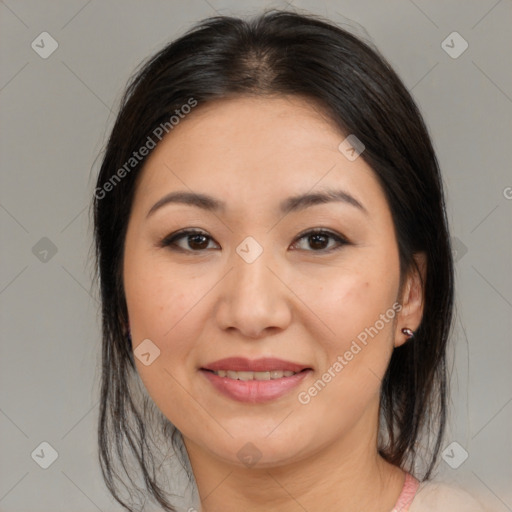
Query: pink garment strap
409, 489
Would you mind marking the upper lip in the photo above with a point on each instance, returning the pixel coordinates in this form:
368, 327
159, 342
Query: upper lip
264, 364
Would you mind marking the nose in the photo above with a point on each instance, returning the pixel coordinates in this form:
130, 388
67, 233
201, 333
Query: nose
254, 298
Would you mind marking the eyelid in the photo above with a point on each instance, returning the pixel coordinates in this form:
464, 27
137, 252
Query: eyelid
169, 240
338, 237
322, 231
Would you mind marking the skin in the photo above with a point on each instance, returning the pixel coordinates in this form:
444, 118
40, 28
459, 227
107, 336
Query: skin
295, 302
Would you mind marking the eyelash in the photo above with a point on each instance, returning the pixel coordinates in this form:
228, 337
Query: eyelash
170, 240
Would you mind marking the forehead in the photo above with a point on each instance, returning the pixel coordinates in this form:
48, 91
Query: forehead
248, 125
255, 148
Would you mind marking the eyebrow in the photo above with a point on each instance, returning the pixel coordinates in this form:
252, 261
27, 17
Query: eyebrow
291, 204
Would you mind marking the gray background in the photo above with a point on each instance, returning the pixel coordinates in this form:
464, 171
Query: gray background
55, 114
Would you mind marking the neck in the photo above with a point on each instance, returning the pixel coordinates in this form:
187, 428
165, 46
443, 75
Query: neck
346, 476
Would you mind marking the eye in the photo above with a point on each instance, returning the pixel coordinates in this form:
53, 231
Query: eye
196, 240
319, 240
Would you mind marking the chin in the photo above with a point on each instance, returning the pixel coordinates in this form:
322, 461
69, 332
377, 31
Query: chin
258, 452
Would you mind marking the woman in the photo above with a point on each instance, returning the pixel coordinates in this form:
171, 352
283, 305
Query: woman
275, 266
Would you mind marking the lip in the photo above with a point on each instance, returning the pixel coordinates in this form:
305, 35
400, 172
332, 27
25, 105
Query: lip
264, 364
255, 391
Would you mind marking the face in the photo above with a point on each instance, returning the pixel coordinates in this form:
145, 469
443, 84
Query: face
259, 277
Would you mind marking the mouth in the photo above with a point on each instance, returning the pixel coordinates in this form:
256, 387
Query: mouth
254, 381
262, 365
245, 375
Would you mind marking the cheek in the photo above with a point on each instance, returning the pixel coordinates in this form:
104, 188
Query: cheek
171, 307
163, 306
160, 297
350, 302
357, 305
360, 311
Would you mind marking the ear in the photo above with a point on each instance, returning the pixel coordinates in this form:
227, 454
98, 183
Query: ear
412, 299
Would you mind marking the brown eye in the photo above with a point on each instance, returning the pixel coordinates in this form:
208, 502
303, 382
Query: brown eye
197, 242
194, 241
319, 240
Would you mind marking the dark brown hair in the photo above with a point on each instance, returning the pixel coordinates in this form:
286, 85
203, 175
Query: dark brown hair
281, 53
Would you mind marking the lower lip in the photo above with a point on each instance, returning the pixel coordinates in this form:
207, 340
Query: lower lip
255, 391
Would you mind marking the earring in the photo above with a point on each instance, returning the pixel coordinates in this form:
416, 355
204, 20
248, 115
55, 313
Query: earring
408, 332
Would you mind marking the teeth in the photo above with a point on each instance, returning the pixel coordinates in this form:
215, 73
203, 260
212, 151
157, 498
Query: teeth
273, 374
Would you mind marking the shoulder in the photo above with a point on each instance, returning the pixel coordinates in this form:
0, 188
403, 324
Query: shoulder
439, 497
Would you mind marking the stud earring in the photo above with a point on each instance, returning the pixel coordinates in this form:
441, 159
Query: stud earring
408, 332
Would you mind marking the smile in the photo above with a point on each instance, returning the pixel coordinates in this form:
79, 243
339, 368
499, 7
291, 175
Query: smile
270, 375
254, 387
